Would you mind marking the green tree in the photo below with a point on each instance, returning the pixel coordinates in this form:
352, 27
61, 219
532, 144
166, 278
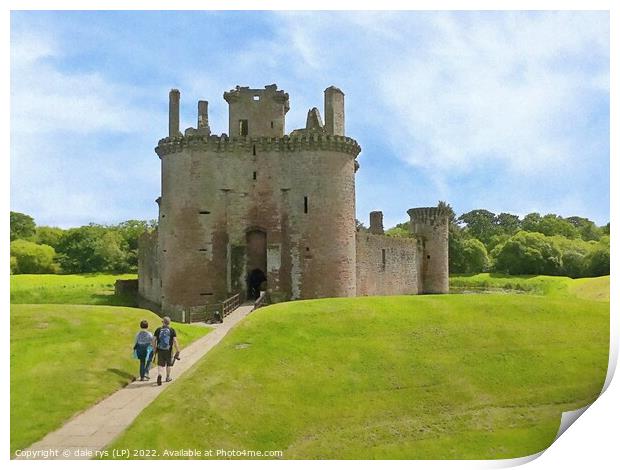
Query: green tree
111, 252
530, 222
574, 253
598, 260
469, 255
31, 258
130, 232
48, 236
507, 224
528, 253
22, 226
399, 230
586, 228
480, 224
80, 249
552, 224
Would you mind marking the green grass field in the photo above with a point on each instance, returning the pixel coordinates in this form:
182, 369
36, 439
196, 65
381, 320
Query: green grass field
65, 358
558, 286
86, 289
411, 377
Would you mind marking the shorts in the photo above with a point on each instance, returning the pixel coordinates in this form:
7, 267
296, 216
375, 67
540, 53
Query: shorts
164, 357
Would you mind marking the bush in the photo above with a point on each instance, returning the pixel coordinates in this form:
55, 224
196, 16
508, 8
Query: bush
31, 258
22, 226
528, 253
597, 261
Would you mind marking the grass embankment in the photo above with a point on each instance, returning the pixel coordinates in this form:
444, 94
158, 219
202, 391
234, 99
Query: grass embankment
65, 358
87, 289
414, 377
587, 288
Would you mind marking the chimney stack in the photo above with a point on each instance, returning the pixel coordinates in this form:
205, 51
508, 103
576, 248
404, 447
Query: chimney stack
173, 113
203, 117
376, 222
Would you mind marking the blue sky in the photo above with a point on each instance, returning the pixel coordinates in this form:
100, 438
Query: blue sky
507, 111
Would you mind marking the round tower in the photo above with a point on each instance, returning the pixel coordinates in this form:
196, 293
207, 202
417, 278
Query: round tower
430, 227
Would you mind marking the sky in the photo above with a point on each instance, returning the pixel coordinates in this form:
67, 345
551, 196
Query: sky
504, 111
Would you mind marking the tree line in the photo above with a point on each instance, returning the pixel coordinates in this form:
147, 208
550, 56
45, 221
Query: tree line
481, 241
87, 249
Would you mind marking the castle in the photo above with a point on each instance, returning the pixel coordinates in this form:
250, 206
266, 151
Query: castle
259, 209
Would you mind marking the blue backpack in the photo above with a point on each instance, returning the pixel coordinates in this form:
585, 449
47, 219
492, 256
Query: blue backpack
163, 339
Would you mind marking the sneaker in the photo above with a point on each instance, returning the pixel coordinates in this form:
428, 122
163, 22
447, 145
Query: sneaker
168, 379
146, 377
141, 379
159, 380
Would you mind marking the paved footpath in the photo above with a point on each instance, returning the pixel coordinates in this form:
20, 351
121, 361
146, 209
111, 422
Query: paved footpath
98, 426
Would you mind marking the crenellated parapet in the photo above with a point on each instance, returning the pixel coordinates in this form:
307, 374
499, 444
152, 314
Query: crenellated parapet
429, 215
247, 93
224, 144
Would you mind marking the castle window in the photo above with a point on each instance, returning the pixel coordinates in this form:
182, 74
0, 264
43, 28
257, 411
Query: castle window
206, 293
256, 97
254, 150
383, 259
254, 176
272, 124
243, 127
305, 204
202, 249
307, 248
204, 212
428, 256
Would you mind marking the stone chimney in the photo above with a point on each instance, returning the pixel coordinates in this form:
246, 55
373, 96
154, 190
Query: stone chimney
203, 117
173, 113
376, 222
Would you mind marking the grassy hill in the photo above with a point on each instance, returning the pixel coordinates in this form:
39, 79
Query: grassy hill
412, 377
88, 289
65, 358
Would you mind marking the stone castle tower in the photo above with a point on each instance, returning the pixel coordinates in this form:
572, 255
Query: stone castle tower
261, 209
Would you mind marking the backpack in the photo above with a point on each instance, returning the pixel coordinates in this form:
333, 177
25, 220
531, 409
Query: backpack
163, 339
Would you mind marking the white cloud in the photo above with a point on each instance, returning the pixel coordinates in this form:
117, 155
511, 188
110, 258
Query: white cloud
45, 98
463, 90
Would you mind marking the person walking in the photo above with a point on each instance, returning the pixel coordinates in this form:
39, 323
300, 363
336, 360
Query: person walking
164, 339
143, 349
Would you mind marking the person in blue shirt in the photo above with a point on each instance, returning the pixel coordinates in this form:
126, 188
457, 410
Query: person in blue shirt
143, 349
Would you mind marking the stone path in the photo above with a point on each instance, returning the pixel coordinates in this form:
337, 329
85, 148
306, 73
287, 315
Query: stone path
96, 427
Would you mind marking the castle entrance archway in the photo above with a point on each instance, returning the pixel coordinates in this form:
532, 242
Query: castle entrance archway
256, 242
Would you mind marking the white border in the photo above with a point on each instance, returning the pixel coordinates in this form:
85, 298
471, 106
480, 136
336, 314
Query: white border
590, 442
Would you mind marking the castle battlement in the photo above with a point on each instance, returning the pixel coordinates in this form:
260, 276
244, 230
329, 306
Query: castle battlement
246, 211
251, 144
429, 215
245, 93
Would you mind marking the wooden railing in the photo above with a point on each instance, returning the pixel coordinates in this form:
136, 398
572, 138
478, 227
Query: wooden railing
213, 313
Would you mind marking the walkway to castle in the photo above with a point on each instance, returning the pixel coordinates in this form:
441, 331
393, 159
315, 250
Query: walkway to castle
95, 428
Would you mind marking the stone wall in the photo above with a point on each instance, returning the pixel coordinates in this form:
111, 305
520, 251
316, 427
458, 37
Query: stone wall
149, 286
298, 191
386, 265
430, 226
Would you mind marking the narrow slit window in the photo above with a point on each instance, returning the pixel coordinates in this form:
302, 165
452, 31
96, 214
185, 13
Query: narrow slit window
243, 127
305, 204
206, 293
202, 249
272, 124
254, 150
383, 259
254, 176
204, 212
